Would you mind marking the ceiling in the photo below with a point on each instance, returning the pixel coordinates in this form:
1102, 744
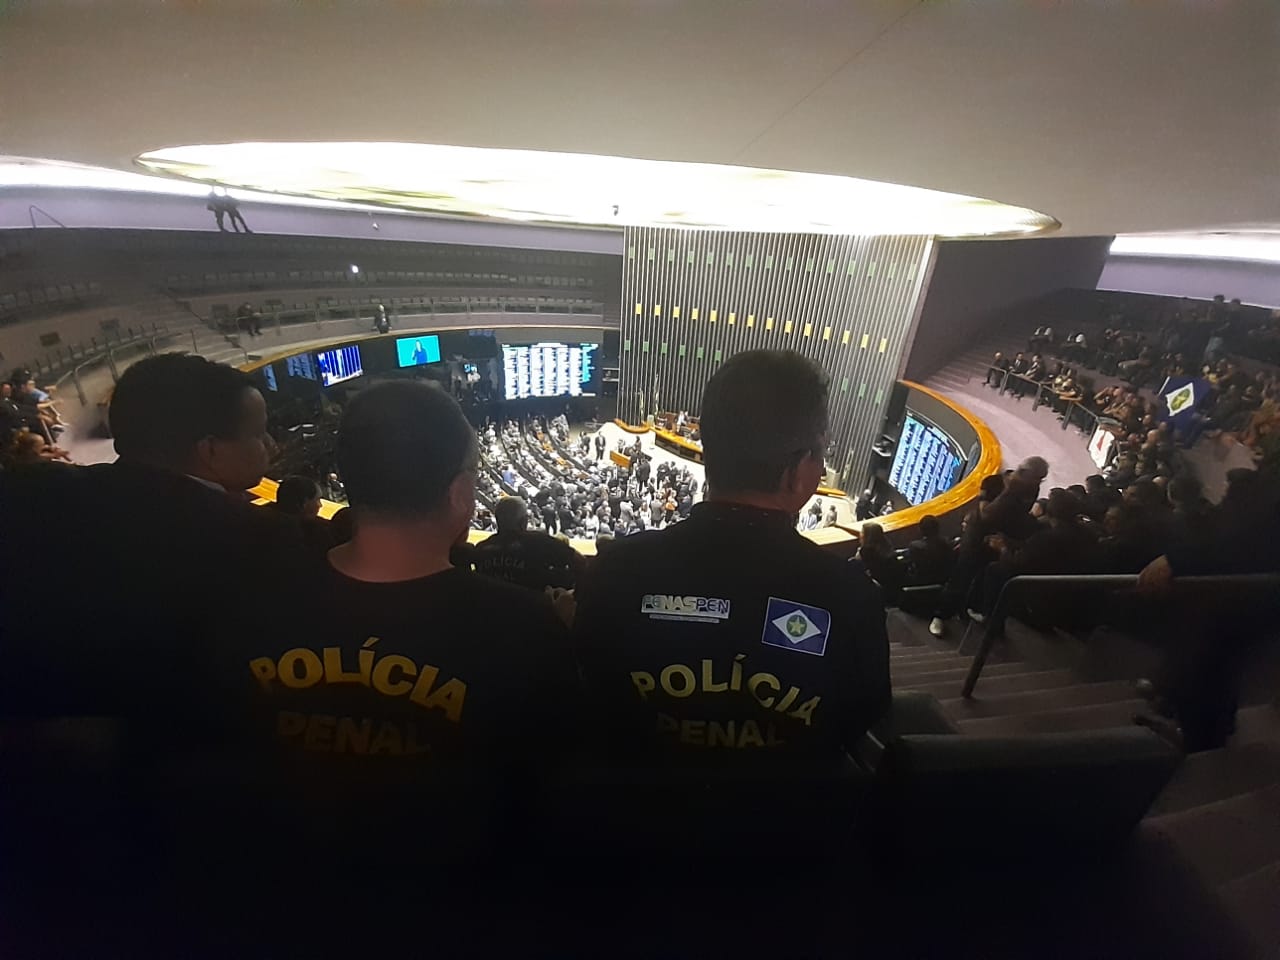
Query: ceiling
1110, 115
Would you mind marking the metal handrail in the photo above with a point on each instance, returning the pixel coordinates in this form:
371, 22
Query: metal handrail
31, 212
106, 353
1016, 588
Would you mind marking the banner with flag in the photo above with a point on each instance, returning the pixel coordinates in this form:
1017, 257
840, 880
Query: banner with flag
1180, 397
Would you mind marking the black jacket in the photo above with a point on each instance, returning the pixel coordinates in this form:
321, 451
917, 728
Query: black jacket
732, 631
151, 561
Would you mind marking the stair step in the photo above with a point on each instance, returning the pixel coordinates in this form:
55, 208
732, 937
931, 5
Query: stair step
1228, 839
923, 675
1100, 716
916, 656
1252, 901
998, 686
1215, 775
1037, 701
1257, 724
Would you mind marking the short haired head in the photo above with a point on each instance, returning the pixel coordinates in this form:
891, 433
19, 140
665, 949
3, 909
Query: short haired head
764, 425
991, 487
298, 496
189, 415
1062, 506
872, 535
406, 452
929, 527
1034, 468
511, 514
1095, 483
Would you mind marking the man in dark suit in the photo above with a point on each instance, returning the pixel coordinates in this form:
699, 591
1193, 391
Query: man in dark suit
153, 545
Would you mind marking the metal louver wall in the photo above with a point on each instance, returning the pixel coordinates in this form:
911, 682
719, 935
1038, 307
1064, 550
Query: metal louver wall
693, 298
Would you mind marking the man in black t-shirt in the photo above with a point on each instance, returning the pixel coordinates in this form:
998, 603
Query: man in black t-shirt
532, 560
385, 652
730, 631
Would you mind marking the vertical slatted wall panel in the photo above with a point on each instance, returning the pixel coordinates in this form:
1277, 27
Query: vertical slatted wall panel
693, 298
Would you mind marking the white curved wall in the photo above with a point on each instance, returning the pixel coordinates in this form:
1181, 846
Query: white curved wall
1255, 282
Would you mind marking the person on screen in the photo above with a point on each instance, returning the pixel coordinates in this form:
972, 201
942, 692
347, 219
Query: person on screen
668, 619
419, 353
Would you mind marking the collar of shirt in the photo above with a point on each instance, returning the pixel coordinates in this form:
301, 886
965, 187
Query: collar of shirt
739, 513
207, 483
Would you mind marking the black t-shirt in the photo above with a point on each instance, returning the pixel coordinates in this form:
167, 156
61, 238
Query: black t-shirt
532, 560
732, 632
453, 670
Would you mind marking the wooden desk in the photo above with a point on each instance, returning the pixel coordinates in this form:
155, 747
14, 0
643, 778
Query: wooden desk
678, 445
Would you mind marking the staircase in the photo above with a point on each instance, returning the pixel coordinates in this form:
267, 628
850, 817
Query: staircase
972, 362
1214, 830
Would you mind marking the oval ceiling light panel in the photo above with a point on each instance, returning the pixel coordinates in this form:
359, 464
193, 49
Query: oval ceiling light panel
589, 190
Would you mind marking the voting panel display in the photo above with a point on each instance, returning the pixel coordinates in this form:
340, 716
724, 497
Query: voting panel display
926, 463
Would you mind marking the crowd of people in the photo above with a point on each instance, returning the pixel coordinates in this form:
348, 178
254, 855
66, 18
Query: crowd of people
30, 422
389, 678
570, 493
1146, 342
320, 629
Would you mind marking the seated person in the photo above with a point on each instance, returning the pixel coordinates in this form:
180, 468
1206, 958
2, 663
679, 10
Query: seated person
1035, 372
930, 558
1062, 546
880, 561
42, 399
996, 369
1067, 392
248, 320
26, 448
1099, 497
1019, 364
532, 560
29, 412
730, 629
298, 497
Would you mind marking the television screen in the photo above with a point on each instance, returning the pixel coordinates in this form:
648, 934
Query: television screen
415, 351
926, 463
338, 364
269, 375
301, 365
549, 369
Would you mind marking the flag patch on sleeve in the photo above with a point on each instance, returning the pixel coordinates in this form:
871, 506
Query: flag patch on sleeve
796, 626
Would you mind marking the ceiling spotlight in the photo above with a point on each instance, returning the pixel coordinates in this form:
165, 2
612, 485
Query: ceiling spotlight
354, 268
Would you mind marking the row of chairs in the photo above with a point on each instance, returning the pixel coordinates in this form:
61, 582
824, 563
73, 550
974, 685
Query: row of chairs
68, 360
16, 305
185, 284
223, 316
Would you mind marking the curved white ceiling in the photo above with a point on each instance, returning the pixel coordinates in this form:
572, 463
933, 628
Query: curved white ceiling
1111, 116
587, 190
